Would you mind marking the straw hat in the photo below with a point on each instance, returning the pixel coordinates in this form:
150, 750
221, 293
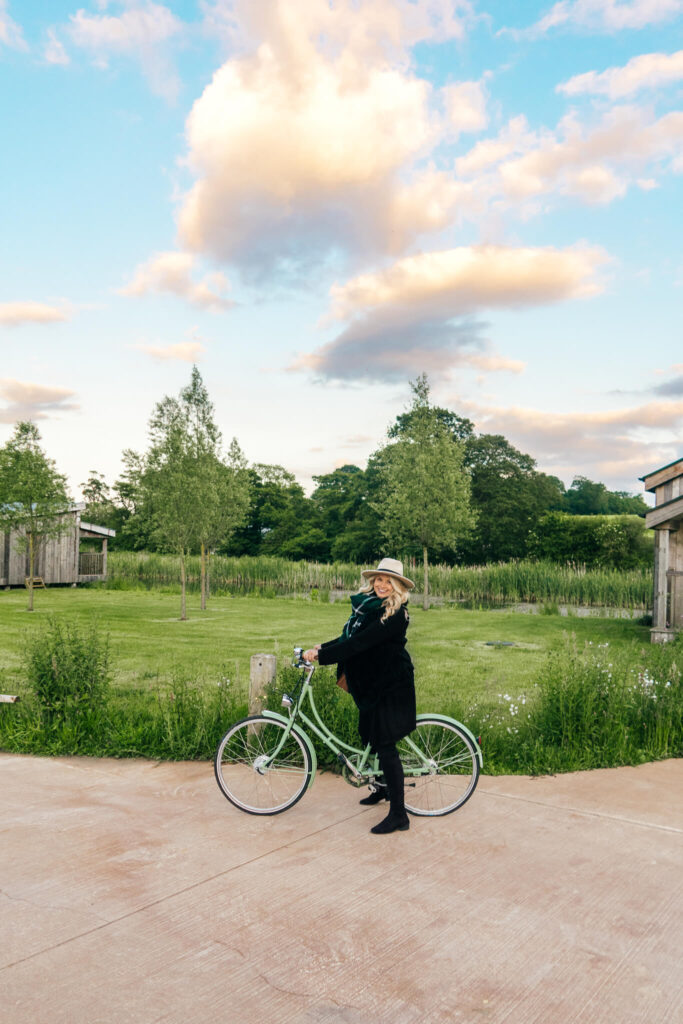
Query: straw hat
389, 567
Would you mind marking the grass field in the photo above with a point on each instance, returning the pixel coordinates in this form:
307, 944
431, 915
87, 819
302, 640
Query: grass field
449, 645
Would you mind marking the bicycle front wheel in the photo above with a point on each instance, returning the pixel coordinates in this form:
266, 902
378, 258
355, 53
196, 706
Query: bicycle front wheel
259, 768
441, 767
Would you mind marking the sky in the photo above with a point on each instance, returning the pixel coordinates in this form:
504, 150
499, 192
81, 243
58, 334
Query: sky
316, 201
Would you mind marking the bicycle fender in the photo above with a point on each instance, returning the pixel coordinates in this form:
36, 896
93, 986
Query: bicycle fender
302, 736
446, 718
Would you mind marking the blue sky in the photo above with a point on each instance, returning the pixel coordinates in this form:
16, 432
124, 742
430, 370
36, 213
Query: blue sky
317, 201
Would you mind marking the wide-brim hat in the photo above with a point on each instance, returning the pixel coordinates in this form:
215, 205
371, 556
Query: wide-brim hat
389, 567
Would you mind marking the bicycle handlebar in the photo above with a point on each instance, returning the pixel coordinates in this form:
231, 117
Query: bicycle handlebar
300, 661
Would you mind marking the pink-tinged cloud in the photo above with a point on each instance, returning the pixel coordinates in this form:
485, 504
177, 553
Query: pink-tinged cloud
184, 351
417, 315
596, 163
143, 31
26, 401
172, 272
613, 445
14, 314
455, 282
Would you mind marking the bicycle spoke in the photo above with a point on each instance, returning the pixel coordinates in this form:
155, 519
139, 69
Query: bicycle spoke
261, 766
440, 765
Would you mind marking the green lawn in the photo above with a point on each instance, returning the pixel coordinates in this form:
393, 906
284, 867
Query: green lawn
448, 644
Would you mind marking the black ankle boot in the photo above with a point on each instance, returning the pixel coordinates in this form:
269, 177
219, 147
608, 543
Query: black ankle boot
381, 793
392, 771
392, 823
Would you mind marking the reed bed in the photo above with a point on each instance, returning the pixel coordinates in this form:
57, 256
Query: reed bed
497, 584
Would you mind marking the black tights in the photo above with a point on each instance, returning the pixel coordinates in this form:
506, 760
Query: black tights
392, 770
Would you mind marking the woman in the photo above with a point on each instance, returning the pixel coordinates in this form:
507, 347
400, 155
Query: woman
373, 664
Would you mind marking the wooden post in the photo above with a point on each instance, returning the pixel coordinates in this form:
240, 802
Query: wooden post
262, 672
661, 627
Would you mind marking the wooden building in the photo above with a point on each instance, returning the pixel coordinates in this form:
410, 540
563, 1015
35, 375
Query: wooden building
666, 519
57, 559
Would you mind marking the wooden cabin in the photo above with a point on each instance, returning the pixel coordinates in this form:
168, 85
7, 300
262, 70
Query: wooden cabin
666, 519
57, 559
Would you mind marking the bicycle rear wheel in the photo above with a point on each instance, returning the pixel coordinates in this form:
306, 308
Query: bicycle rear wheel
258, 769
441, 767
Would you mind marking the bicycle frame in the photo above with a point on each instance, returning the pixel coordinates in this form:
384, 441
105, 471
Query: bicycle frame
367, 765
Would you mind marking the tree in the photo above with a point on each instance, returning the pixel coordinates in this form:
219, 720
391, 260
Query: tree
343, 504
509, 496
615, 542
33, 494
424, 499
135, 531
100, 507
221, 487
586, 498
193, 497
459, 427
621, 503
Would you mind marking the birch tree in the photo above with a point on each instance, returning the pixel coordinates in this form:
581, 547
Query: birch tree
196, 496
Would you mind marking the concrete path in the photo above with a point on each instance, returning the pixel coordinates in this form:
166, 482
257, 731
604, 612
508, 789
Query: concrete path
134, 892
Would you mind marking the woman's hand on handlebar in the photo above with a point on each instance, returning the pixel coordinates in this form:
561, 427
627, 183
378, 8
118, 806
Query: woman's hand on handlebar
312, 653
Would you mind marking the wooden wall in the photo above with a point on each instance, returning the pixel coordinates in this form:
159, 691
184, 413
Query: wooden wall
56, 558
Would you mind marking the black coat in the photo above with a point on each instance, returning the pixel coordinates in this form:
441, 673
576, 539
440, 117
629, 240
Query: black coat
379, 674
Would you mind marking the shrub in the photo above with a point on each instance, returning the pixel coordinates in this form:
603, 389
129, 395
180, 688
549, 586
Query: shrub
71, 709
68, 673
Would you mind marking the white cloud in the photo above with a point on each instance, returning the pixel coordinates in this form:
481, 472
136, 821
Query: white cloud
648, 71
143, 30
25, 401
605, 15
54, 49
171, 272
417, 314
371, 29
10, 32
309, 141
184, 351
14, 314
465, 104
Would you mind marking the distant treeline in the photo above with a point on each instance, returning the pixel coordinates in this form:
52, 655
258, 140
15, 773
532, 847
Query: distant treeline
520, 513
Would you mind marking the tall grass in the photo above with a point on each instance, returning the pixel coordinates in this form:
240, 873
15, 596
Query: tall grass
500, 583
178, 719
588, 708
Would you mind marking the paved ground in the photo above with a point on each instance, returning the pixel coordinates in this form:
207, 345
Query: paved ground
133, 892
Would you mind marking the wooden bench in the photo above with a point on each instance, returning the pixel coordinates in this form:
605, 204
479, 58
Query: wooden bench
38, 582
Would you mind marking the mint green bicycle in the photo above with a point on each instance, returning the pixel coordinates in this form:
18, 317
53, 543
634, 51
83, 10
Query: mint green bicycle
265, 763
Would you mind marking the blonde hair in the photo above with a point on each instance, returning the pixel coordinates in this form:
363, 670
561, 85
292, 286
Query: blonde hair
397, 598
